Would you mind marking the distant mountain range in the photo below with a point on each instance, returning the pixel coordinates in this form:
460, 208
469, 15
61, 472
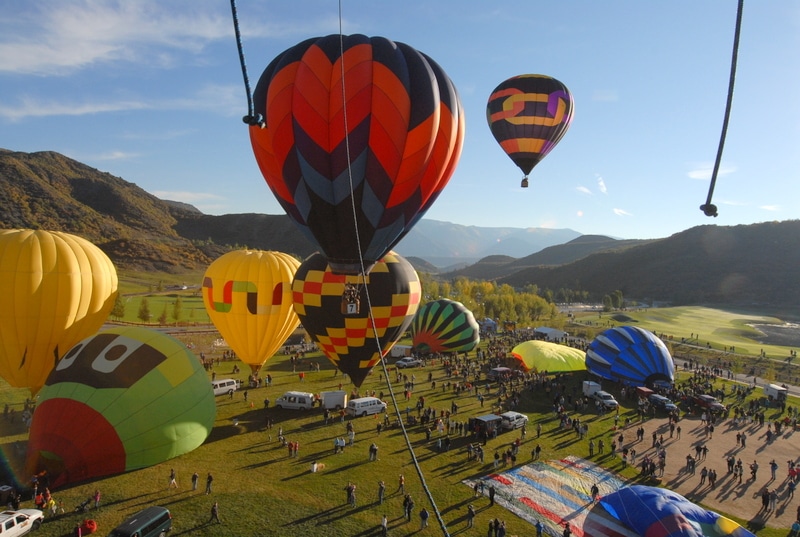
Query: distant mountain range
754, 264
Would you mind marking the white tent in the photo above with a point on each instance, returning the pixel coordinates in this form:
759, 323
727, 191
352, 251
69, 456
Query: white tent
550, 334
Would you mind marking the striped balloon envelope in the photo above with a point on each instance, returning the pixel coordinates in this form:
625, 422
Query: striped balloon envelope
528, 115
360, 136
630, 355
444, 326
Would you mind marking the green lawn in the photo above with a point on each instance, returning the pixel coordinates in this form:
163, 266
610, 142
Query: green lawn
262, 491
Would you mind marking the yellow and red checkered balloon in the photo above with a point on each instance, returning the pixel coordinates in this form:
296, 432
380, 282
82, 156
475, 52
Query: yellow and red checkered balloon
341, 324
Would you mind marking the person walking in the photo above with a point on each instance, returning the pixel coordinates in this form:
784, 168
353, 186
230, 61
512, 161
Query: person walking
215, 514
423, 518
173, 480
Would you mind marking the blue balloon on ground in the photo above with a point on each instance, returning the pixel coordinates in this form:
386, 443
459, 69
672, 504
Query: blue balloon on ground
657, 511
632, 356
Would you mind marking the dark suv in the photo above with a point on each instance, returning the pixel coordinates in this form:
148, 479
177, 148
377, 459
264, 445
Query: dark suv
662, 403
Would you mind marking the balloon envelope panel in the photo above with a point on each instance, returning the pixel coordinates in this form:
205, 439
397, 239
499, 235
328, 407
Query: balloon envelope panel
658, 511
528, 115
383, 141
55, 290
444, 326
630, 355
349, 339
123, 399
551, 357
248, 296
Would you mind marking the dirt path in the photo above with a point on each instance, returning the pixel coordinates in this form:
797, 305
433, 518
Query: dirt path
729, 496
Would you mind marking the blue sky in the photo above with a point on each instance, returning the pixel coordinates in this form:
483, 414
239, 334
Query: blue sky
151, 91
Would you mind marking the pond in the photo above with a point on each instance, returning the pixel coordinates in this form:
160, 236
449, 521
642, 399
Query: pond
787, 334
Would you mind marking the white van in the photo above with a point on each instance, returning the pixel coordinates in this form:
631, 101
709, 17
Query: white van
225, 386
296, 401
364, 406
513, 420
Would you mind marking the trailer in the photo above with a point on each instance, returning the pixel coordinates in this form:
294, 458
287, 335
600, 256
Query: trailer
334, 400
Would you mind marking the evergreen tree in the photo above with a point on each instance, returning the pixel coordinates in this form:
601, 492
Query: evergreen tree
177, 309
144, 311
162, 319
118, 311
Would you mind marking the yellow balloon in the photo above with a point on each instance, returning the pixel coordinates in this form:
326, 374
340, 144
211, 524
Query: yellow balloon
248, 296
56, 289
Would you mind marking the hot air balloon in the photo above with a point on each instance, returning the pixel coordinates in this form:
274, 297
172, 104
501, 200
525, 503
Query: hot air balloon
123, 399
335, 310
528, 115
248, 296
631, 355
55, 290
356, 163
658, 511
550, 357
444, 326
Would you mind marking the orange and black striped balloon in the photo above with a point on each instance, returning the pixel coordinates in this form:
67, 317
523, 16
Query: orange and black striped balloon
374, 124
348, 339
528, 115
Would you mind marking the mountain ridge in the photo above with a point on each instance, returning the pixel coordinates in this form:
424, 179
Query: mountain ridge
705, 264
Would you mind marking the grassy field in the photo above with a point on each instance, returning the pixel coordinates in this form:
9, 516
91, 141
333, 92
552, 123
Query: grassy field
710, 333
262, 491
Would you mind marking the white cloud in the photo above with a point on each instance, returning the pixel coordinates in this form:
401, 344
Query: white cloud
770, 207
605, 95
621, 212
52, 37
601, 185
704, 170
583, 190
114, 155
226, 100
186, 196
29, 107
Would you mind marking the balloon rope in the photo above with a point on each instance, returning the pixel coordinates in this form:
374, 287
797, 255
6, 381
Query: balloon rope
708, 208
251, 119
414, 459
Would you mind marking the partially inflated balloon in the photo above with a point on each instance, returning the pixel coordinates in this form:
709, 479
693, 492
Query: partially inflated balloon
360, 136
334, 310
123, 399
55, 290
444, 326
248, 296
528, 115
630, 355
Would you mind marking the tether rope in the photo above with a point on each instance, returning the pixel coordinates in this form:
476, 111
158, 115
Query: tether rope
414, 459
708, 208
250, 118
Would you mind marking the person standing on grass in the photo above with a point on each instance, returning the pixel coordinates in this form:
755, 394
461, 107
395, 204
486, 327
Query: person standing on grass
423, 518
209, 480
195, 479
215, 514
173, 480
